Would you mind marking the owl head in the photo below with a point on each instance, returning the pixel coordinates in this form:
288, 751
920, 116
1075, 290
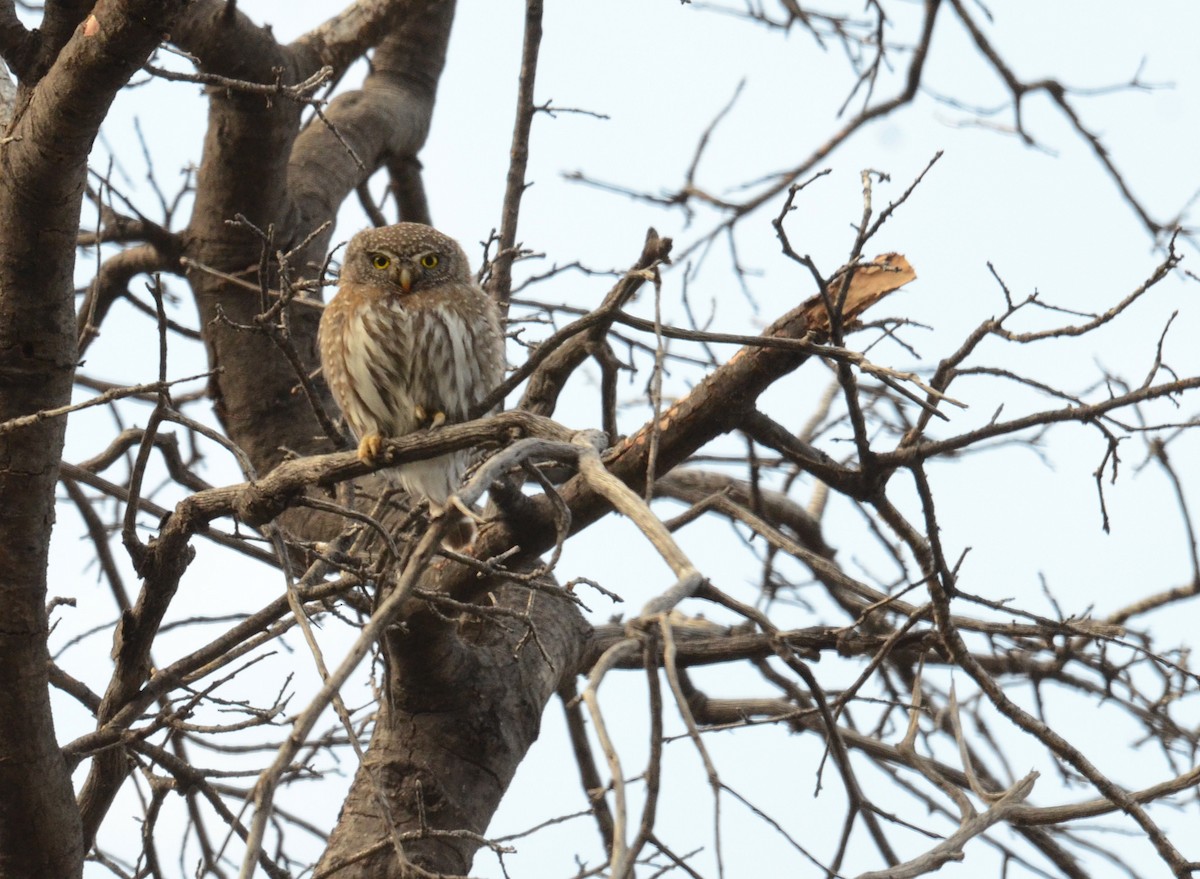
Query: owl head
404, 258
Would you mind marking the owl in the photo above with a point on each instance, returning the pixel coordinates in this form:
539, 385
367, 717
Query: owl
410, 341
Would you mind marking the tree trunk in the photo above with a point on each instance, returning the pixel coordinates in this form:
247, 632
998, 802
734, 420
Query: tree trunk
67, 87
465, 704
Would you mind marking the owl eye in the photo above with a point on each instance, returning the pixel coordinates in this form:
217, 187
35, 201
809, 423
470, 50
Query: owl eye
381, 261
429, 261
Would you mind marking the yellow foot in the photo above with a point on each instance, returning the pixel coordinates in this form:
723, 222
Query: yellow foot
370, 447
436, 420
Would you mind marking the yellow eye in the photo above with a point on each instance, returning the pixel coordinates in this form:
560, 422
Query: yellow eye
380, 261
429, 261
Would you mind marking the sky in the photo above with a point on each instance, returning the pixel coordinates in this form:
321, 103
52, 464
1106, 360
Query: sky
1045, 218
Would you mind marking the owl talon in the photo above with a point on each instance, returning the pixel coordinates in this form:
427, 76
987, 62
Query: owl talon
370, 447
421, 414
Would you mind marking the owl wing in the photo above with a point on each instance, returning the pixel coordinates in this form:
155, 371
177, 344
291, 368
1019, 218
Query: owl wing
493, 362
462, 352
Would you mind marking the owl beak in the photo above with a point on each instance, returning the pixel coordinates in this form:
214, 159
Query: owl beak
406, 279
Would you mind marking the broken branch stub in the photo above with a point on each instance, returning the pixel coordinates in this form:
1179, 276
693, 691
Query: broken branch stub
871, 282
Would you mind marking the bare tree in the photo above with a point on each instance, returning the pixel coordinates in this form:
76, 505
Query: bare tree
467, 650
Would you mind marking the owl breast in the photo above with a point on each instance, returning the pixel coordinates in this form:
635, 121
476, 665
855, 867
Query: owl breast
388, 359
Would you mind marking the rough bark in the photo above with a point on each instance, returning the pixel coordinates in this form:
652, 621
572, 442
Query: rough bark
466, 704
43, 166
243, 171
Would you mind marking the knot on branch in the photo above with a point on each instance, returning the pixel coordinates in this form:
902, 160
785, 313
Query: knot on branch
256, 507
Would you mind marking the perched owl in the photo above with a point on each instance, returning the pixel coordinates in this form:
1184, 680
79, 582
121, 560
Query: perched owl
410, 341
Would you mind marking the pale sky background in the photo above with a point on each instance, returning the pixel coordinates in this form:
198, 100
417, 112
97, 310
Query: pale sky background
1048, 220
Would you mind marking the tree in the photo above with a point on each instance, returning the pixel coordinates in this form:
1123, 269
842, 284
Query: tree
933, 691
